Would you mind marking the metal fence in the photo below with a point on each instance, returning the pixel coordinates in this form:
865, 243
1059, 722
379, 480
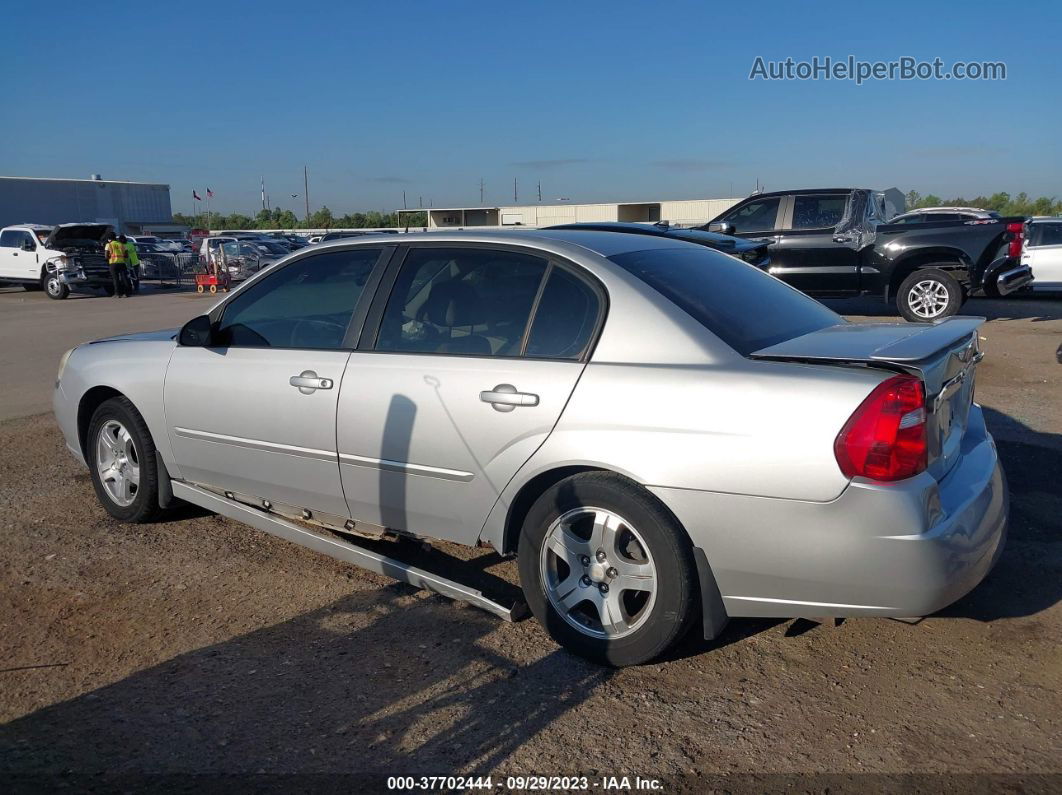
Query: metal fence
169, 270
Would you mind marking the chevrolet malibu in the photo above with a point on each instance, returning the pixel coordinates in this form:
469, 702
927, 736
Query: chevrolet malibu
662, 434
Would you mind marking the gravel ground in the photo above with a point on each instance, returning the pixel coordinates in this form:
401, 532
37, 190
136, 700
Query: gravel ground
198, 645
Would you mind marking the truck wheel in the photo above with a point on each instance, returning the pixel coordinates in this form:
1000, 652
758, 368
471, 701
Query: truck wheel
607, 570
929, 294
121, 458
53, 285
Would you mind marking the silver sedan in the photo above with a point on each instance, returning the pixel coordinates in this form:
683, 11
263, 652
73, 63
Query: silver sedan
664, 435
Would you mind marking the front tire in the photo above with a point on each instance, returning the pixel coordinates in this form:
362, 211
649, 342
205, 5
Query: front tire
927, 295
121, 458
607, 570
54, 286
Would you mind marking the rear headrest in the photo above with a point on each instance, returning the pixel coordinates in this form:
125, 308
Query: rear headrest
453, 303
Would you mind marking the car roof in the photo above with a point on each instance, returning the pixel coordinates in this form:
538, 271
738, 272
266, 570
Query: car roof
606, 244
803, 191
949, 210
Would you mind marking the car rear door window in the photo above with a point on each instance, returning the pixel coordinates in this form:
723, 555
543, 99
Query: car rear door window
471, 301
307, 304
759, 215
1045, 235
565, 318
818, 210
743, 306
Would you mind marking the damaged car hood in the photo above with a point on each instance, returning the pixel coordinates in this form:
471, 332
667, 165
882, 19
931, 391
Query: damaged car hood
67, 233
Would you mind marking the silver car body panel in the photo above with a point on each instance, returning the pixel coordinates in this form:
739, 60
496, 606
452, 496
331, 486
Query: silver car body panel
739, 448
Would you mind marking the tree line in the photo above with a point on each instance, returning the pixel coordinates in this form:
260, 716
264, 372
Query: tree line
1003, 203
279, 218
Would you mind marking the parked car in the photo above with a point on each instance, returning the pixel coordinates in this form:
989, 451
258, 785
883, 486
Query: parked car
1042, 252
55, 258
838, 242
753, 252
944, 214
243, 256
293, 242
658, 449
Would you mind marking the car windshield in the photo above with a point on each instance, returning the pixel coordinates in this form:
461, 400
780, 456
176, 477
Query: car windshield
743, 306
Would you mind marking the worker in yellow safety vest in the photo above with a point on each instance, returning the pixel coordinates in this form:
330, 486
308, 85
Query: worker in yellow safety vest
117, 257
133, 262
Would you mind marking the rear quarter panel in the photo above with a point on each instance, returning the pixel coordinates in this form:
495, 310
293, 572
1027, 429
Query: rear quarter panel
757, 428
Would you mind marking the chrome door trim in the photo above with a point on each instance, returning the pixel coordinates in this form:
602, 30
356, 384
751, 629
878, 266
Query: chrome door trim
405, 467
255, 444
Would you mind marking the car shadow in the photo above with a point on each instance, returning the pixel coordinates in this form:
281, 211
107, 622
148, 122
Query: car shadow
355, 687
1038, 307
1026, 580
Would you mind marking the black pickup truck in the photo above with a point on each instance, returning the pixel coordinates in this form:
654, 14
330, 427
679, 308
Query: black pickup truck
837, 242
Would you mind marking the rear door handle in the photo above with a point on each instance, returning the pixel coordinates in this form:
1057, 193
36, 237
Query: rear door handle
307, 382
504, 397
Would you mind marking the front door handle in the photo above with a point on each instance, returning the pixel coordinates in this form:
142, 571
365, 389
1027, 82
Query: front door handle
307, 382
504, 397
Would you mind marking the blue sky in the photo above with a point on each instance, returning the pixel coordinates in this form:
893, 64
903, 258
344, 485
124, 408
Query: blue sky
599, 101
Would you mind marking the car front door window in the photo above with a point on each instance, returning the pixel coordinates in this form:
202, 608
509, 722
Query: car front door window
759, 215
307, 304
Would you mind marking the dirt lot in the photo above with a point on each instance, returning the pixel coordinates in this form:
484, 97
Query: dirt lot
197, 645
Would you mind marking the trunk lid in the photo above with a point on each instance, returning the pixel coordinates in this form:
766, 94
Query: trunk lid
943, 355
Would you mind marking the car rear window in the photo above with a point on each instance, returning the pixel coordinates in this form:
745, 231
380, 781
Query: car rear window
743, 306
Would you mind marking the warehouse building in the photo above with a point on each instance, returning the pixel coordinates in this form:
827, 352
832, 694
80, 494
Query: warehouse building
132, 207
683, 212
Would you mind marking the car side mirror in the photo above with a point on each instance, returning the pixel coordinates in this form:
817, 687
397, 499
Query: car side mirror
27, 245
722, 227
196, 333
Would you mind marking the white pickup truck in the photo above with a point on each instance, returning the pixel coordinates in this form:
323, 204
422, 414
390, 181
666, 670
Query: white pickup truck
55, 258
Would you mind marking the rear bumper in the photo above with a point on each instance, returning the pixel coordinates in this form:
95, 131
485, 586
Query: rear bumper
903, 549
1014, 279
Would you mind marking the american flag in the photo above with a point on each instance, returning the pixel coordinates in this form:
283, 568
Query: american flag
210, 193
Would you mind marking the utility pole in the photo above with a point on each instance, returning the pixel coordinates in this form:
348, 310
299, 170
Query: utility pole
404, 200
515, 199
420, 203
540, 190
306, 192
481, 191
263, 194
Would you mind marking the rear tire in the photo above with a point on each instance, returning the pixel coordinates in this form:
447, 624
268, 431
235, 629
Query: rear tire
121, 457
929, 294
607, 570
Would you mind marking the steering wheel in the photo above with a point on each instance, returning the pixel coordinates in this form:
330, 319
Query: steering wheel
316, 329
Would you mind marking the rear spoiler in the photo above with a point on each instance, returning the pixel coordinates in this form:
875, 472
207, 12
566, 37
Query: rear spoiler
875, 342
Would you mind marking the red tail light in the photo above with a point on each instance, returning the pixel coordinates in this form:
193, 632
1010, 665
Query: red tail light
886, 437
1018, 232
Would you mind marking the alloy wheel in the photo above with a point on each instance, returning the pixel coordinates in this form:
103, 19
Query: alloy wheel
598, 572
117, 463
928, 298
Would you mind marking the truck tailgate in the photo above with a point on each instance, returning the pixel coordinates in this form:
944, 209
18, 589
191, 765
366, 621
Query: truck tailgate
944, 355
